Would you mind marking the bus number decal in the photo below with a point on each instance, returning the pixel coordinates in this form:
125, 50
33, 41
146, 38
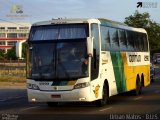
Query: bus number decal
44, 83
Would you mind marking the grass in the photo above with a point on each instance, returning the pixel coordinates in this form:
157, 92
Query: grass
13, 74
12, 82
13, 79
12, 85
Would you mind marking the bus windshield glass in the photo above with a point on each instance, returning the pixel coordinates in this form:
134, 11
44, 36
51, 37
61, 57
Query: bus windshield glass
63, 60
58, 32
58, 52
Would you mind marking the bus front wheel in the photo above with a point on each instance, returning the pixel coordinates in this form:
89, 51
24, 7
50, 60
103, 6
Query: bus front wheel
104, 99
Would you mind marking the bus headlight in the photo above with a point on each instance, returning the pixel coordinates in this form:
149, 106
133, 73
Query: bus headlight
32, 86
81, 85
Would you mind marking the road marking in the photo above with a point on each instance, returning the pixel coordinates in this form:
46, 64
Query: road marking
105, 109
18, 97
14, 97
137, 98
30, 108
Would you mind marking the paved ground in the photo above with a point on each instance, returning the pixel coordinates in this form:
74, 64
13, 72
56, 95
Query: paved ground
14, 103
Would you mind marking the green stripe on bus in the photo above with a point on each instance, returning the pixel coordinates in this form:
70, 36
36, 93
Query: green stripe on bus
118, 71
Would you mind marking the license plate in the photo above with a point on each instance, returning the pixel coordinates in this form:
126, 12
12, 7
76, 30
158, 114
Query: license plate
56, 96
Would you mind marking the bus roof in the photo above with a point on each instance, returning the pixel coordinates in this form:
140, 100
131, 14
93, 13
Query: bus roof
111, 23
102, 21
62, 21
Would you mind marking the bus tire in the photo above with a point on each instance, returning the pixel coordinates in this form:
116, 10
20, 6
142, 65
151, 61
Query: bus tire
52, 104
138, 89
105, 97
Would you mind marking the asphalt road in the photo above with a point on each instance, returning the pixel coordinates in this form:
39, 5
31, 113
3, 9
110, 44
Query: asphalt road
14, 104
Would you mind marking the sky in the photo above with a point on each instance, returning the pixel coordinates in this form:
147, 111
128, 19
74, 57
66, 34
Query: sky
40, 10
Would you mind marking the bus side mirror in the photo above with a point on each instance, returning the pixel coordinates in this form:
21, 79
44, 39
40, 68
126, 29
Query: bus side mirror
90, 46
19, 49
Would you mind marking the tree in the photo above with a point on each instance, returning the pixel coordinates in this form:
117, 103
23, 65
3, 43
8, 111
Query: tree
142, 20
154, 36
11, 54
2, 54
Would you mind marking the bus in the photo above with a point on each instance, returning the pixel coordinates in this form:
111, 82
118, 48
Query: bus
85, 60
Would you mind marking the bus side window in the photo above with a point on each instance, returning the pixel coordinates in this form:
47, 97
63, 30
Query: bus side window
122, 40
142, 43
145, 42
141, 46
114, 39
94, 59
136, 39
130, 41
96, 50
105, 38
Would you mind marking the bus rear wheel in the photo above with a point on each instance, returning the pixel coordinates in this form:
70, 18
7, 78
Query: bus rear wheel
138, 89
52, 104
104, 99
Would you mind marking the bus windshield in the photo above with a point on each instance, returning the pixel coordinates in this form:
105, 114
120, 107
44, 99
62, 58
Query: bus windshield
58, 32
57, 52
63, 60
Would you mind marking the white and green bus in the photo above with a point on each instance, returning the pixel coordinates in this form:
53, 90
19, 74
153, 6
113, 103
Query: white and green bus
74, 60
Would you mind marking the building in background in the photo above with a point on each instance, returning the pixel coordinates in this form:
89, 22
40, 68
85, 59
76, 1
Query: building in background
11, 33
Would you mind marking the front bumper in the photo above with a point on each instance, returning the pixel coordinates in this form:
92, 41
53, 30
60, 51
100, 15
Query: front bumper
75, 95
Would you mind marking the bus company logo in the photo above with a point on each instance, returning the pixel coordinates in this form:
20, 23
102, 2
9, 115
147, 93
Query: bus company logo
104, 61
55, 88
16, 9
96, 91
134, 58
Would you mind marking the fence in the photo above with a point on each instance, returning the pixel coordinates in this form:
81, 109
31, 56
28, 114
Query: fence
12, 70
